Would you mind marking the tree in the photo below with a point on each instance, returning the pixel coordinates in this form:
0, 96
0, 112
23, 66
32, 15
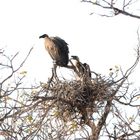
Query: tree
11, 92
112, 8
88, 109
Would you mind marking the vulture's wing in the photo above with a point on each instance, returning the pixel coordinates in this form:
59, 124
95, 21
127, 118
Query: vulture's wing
63, 49
61, 44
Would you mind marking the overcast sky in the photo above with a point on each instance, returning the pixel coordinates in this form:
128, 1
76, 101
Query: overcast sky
99, 41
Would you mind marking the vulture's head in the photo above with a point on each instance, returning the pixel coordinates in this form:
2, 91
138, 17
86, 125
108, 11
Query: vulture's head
43, 36
75, 58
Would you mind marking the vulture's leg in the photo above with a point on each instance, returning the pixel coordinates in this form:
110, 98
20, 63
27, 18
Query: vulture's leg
54, 71
50, 79
54, 75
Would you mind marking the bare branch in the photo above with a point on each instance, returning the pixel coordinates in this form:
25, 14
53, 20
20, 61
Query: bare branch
111, 6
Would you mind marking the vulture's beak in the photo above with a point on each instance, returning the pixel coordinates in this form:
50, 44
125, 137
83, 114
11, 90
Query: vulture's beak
40, 37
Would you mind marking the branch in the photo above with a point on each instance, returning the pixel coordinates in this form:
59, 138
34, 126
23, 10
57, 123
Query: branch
110, 5
102, 120
52, 98
13, 71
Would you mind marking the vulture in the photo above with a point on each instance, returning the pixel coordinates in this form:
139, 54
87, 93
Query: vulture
57, 49
82, 69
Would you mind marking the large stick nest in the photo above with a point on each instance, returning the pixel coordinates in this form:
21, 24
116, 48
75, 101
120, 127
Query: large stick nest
78, 99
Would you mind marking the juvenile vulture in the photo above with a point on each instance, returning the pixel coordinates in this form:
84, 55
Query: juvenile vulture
82, 69
57, 49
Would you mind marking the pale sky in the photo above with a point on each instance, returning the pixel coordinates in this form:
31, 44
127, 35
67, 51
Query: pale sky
99, 41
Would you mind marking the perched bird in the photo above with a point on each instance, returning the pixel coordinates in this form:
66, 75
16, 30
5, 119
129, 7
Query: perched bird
81, 69
57, 49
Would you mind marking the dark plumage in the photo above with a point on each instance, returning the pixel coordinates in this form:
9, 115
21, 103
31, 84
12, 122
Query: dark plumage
87, 69
58, 49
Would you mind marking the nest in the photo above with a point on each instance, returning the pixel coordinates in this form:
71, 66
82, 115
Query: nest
79, 99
